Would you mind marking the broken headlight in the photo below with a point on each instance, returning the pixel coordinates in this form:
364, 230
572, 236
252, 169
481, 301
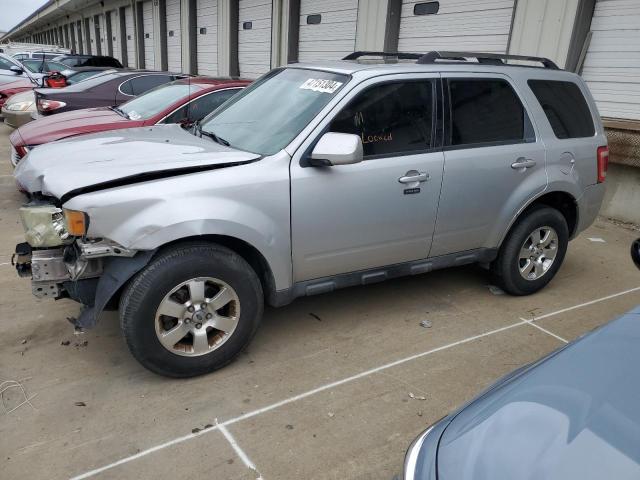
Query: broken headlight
44, 225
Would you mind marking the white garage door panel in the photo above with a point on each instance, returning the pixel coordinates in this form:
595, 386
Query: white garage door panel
103, 35
207, 43
480, 25
131, 37
335, 35
174, 43
254, 45
92, 36
147, 22
612, 64
115, 35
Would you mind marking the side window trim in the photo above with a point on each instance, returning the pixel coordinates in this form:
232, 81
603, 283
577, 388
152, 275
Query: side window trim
199, 97
433, 147
133, 78
529, 131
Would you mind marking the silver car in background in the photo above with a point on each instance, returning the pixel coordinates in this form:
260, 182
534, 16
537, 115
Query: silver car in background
317, 177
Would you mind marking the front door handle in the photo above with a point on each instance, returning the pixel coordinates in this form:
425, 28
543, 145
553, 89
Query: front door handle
523, 163
412, 176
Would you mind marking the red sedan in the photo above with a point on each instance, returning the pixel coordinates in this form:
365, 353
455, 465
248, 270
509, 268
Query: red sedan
183, 101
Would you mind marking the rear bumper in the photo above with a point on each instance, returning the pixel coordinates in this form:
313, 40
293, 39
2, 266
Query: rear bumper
589, 205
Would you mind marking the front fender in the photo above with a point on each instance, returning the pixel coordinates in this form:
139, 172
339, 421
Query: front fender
248, 202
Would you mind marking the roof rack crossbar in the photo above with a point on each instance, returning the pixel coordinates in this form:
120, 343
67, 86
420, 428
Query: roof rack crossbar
488, 58
398, 55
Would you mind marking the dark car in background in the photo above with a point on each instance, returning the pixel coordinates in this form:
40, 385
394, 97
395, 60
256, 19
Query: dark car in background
104, 90
183, 101
574, 415
88, 61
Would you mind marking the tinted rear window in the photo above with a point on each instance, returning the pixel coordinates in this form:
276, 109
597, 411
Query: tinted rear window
92, 82
565, 108
485, 111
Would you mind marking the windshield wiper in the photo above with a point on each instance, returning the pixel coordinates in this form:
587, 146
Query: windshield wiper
198, 129
120, 112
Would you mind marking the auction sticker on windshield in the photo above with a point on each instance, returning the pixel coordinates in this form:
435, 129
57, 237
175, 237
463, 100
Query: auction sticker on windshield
321, 85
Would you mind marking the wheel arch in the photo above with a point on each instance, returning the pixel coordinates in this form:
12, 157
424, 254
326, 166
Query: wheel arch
562, 201
248, 252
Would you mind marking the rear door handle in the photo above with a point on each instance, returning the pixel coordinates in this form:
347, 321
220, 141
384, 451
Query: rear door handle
413, 176
523, 163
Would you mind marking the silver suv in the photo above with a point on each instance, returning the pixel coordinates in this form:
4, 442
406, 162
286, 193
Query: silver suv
317, 177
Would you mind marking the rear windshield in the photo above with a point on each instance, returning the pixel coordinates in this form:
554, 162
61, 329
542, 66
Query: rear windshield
565, 108
156, 100
92, 82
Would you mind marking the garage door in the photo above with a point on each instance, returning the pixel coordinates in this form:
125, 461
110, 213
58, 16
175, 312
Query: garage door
207, 36
79, 37
174, 42
612, 64
131, 37
147, 28
327, 29
92, 36
254, 37
115, 34
471, 25
102, 23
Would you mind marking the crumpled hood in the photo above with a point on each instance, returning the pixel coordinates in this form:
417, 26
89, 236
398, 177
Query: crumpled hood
97, 159
573, 416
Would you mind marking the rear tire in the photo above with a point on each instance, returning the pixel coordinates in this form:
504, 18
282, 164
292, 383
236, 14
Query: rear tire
533, 252
191, 310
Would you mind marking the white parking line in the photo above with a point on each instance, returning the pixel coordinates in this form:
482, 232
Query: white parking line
243, 456
544, 330
586, 304
343, 381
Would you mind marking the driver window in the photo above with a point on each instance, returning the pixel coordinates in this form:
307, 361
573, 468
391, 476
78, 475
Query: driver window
393, 118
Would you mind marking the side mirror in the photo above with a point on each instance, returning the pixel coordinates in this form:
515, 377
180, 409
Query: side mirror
336, 149
635, 252
16, 69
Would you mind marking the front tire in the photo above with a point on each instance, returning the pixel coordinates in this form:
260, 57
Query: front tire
191, 310
532, 252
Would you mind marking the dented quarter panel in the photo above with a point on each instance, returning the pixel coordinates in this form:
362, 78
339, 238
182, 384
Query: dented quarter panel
61, 167
248, 202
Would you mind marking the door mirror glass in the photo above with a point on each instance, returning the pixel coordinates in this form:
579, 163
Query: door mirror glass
337, 149
17, 70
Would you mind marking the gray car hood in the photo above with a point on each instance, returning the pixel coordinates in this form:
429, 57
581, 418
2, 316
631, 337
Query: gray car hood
576, 415
102, 160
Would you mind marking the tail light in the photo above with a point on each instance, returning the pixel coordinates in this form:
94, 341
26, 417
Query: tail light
603, 163
21, 151
45, 105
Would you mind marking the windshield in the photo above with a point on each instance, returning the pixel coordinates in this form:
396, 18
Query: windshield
156, 100
265, 117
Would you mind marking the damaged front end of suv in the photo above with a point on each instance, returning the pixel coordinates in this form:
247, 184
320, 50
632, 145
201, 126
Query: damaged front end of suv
64, 263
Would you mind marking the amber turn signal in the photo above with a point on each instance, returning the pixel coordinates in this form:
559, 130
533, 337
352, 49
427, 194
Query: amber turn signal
77, 222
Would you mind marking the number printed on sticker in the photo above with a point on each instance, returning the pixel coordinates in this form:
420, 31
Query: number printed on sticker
320, 85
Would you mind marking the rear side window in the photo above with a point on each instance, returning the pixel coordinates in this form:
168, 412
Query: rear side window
139, 85
565, 108
393, 118
486, 111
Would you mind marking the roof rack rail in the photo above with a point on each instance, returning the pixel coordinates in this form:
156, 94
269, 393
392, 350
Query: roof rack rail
490, 58
398, 55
